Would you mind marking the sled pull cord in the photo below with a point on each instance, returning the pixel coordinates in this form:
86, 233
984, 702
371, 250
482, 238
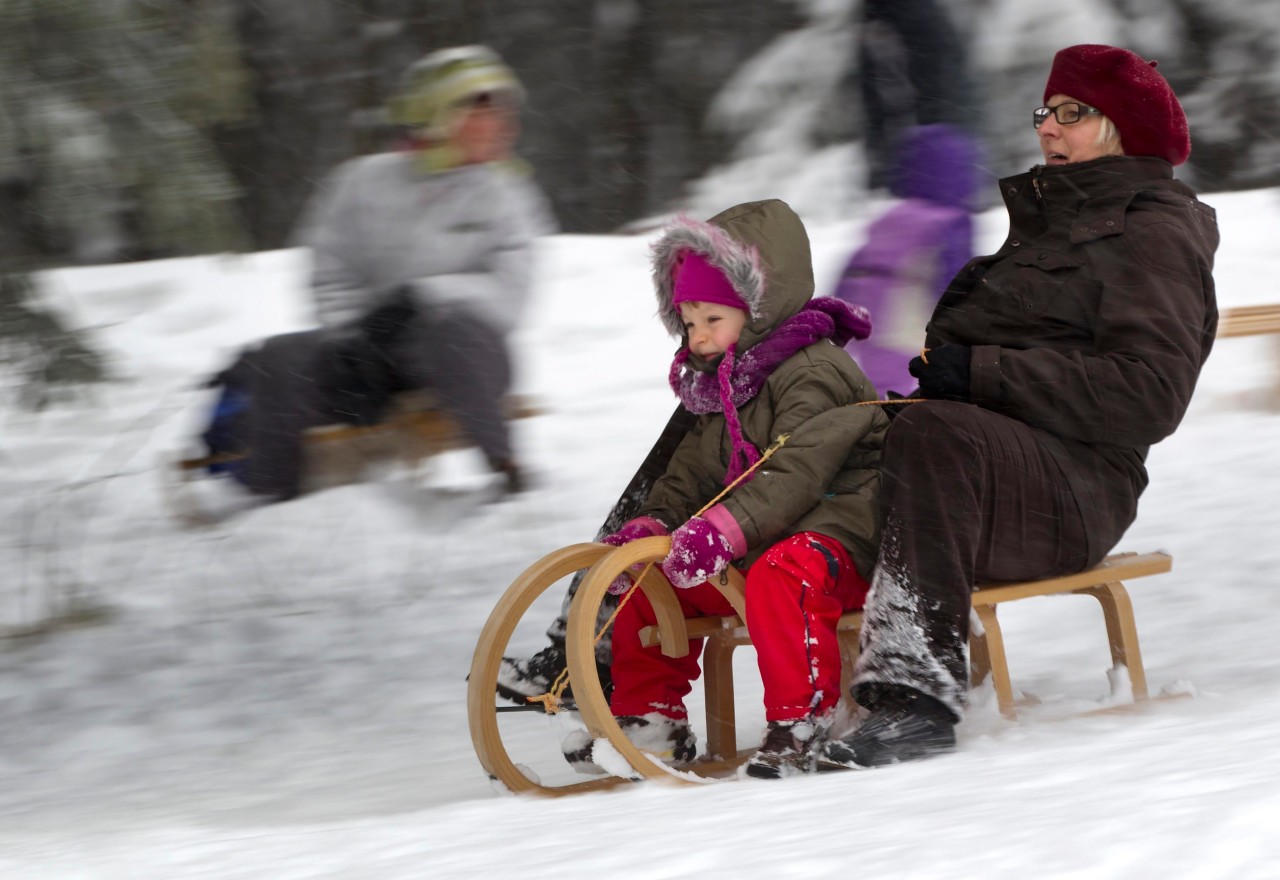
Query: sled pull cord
551, 700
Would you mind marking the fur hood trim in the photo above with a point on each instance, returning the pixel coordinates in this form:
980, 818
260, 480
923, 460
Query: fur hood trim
739, 262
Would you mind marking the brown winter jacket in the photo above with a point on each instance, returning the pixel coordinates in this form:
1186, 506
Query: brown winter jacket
826, 478
1092, 321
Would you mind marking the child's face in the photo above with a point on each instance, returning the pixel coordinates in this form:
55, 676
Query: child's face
711, 327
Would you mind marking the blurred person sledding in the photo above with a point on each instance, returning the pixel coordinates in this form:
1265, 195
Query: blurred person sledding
422, 266
920, 115
913, 249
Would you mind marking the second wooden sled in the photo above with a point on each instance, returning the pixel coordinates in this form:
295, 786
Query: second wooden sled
415, 431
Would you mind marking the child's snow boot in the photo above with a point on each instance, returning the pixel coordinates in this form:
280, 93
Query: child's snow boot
670, 740
789, 749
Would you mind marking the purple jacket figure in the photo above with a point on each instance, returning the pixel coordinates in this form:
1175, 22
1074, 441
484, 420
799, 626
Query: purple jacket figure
913, 251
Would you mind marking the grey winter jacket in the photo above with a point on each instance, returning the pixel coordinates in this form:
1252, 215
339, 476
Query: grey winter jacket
826, 478
461, 238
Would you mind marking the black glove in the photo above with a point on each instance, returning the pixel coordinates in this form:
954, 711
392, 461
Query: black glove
383, 325
945, 373
893, 409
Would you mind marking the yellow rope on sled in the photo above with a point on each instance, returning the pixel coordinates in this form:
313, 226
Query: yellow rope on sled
551, 700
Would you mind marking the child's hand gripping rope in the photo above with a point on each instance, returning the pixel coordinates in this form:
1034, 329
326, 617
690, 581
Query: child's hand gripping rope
699, 552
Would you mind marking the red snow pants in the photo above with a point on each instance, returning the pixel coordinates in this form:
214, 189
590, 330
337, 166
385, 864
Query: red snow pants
795, 595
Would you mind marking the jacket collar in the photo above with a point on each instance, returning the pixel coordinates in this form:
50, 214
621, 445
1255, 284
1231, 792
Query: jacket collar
1095, 194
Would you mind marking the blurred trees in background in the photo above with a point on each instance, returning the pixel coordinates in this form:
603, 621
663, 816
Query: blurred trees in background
618, 91
142, 128
39, 355
1221, 56
106, 107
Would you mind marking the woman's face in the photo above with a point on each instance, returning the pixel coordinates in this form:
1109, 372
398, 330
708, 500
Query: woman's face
487, 132
1077, 142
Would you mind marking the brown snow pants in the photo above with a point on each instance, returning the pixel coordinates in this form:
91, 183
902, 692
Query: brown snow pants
968, 496
461, 359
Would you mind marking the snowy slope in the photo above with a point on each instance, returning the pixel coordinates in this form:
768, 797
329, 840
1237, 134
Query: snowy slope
283, 695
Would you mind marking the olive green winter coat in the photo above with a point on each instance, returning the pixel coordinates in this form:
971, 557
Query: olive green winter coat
826, 477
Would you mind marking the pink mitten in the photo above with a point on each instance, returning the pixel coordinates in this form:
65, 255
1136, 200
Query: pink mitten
699, 551
631, 530
634, 530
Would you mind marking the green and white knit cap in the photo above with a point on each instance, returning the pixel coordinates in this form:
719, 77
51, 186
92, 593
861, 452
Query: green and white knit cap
435, 88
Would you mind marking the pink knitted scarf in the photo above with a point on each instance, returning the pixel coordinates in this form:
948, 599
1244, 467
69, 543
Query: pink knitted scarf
739, 379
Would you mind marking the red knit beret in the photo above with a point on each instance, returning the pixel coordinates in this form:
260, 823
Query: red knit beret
1130, 93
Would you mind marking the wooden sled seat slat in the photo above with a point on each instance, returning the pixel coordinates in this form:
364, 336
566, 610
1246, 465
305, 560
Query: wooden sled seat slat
1249, 321
1255, 321
987, 655
415, 415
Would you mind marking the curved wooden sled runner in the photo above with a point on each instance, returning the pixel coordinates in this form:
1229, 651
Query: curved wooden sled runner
482, 711
604, 563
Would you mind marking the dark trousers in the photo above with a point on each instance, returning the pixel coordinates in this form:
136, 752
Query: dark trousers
968, 496
295, 383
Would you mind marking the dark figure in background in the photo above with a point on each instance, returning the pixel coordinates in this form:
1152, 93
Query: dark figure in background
422, 265
913, 69
912, 250
1051, 367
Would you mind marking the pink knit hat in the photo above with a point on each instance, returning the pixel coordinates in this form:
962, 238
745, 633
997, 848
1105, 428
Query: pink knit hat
699, 281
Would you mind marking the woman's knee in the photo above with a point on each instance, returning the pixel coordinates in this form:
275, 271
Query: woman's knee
931, 423
928, 441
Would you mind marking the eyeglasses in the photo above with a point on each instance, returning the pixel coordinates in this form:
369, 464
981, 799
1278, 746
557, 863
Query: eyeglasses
1066, 113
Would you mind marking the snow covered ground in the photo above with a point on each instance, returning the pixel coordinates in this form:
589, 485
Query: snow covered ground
283, 695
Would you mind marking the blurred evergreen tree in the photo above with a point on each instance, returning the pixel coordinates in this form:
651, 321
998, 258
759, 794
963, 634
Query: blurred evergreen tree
38, 353
105, 110
1230, 87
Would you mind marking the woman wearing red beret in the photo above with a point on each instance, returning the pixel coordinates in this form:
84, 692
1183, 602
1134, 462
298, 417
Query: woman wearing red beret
1050, 368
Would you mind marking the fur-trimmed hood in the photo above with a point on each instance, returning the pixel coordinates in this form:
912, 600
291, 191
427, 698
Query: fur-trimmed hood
763, 250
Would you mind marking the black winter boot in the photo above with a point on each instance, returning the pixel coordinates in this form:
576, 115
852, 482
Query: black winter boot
904, 725
513, 480
519, 678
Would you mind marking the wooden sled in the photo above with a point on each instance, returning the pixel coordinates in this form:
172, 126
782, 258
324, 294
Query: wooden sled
1104, 582
1255, 321
337, 455
1249, 321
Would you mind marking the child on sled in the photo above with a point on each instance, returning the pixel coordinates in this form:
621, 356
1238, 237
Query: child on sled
759, 358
